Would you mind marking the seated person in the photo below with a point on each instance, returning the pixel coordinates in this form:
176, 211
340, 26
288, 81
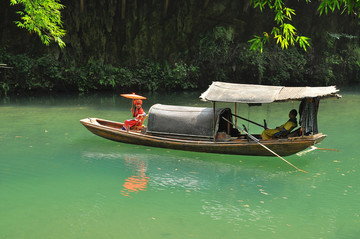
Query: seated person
138, 114
283, 129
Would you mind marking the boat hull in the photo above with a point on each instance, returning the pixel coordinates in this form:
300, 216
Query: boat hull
284, 147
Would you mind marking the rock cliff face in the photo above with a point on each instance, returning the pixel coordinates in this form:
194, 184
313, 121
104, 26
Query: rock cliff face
122, 32
128, 30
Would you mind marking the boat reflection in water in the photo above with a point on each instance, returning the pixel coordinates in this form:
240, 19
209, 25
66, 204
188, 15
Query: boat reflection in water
137, 182
237, 192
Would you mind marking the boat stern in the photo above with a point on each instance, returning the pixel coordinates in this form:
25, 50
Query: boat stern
319, 137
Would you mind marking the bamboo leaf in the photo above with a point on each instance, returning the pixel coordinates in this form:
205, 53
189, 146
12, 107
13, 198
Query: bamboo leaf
257, 44
279, 17
43, 18
321, 8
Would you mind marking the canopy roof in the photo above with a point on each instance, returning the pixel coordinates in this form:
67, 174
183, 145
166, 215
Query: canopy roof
186, 121
246, 93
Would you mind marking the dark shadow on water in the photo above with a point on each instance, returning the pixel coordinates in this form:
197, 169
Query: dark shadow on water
109, 99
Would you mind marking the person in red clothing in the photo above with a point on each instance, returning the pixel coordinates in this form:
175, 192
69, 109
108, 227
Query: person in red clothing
138, 114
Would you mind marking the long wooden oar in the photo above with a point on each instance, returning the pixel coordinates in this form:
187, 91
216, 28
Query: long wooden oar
326, 149
257, 141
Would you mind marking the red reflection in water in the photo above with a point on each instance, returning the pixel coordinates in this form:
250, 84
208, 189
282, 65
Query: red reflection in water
138, 182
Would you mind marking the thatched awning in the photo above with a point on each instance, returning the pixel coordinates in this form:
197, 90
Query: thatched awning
255, 94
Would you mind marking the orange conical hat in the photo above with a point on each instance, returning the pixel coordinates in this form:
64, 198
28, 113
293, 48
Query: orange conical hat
133, 96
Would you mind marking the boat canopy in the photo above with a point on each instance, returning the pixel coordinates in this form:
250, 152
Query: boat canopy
187, 121
257, 94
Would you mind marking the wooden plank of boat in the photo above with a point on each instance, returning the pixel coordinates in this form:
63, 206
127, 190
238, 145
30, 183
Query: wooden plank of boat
284, 147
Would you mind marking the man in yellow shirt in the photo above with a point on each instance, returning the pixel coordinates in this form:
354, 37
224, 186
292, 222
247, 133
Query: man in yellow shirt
282, 130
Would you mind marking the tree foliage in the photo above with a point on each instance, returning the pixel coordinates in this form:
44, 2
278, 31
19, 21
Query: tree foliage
221, 56
42, 17
284, 33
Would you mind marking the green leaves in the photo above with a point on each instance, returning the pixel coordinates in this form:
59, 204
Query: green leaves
283, 33
42, 17
303, 41
329, 4
351, 6
286, 34
259, 42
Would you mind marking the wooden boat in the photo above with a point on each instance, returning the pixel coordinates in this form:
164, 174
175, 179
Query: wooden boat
241, 146
212, 130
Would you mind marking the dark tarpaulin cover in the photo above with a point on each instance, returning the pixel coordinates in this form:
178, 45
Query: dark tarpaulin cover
185, 121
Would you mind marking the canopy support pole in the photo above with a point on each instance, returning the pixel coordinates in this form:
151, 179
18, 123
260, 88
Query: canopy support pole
214, 121
235, 114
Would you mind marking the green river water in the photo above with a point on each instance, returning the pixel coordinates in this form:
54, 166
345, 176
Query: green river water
58, 180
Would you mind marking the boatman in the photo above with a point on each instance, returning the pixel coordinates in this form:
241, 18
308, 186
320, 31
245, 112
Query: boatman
139, 113
282, 130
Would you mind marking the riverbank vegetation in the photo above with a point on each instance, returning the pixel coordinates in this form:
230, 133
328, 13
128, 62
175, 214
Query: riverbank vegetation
45, 73
184, 46
219, 58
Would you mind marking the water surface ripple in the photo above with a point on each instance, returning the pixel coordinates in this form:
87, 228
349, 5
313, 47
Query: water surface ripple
57, 180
